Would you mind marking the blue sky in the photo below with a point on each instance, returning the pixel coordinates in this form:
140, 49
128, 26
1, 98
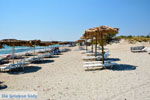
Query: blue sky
68, 19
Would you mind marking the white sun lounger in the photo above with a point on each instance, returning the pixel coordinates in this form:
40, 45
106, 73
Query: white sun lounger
138, 49
99, 65
95, 58
9, 67
83, 52
36, 58
92, 54
91, 57
98, 53
97, 62
147, 49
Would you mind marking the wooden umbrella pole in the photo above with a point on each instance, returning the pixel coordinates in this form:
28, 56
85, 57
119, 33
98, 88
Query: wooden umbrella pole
34, 50
86, 44
96, 46
102, 45
92, 44
13, 53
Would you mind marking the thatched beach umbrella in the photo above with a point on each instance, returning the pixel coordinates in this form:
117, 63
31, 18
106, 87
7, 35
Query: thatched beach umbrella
85, 37
34, 43
64, 43
101, 32
45, 44
80, 41
92, 34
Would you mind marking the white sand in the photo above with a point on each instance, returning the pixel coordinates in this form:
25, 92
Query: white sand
66, 79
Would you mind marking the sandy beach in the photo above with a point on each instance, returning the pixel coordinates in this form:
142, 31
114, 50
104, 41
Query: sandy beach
64, 78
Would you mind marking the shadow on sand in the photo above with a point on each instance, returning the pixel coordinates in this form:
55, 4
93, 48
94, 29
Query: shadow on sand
28, 69
43, 62
2, 86
118, 67
123, 67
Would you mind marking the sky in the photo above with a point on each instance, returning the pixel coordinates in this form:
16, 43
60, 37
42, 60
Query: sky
66, 20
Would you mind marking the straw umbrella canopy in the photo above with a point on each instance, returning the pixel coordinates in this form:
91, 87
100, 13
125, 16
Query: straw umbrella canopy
64, 43
55, 42
45, 43
85, 37
92, 34
80, 41
101, 32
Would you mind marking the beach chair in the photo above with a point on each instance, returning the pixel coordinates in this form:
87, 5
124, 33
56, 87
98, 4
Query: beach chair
105, 65
91, 58
7, 67
98, 54
92, 53
47, 55
95, 58
147, 49
97, 62
84, 52
3, 61
138, 49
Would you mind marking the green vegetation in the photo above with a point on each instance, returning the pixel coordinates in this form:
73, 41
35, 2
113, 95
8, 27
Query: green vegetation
133, 39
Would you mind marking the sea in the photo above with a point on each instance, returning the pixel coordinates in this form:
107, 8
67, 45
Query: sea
21, 49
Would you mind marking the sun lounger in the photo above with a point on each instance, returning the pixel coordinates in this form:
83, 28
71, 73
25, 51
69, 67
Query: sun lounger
92, 53
90, 58
3, 61
84, 52
95, 58
97, 62
63, 50
28, 54
35, 58
99, 65
138, 49
98, 54
147, 49
46, 55
9, 67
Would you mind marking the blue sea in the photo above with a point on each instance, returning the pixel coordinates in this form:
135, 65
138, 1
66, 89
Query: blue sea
19, 49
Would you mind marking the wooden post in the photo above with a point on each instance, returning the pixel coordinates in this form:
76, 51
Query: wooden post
13, 53
34, 50
92, 44
102, 45
96, 46
86, 44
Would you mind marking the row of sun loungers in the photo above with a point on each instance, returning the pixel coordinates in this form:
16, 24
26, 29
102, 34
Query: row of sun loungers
26, 61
